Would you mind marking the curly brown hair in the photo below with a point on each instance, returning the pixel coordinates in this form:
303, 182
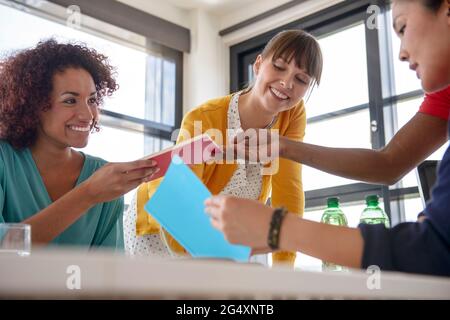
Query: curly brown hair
26, 83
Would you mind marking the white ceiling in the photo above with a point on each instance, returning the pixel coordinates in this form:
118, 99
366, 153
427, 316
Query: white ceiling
227, 12
215, 6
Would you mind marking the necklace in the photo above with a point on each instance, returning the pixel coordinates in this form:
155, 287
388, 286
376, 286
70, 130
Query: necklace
270, 125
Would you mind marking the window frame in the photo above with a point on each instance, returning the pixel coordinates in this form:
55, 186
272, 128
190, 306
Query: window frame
382, 97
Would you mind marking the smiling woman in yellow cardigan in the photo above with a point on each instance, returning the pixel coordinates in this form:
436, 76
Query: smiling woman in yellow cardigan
289, 65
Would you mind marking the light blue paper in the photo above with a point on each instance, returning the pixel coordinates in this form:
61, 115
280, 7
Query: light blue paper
178, 206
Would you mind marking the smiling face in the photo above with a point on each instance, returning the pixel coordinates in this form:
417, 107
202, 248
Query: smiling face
425, 41
73, 110
279, 84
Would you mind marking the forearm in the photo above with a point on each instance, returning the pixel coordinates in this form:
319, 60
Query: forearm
412, 144
372, 166
340, 245
53, 220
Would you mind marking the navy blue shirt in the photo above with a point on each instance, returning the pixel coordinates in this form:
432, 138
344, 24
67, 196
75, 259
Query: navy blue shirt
417, 247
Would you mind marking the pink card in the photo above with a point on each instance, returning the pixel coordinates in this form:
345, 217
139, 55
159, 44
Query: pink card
198, 150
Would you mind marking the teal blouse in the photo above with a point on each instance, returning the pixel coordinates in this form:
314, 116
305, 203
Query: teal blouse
23, 193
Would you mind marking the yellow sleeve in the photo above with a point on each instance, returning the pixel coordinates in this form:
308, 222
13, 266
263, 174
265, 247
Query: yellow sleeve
145, 223
287, 188
189, 129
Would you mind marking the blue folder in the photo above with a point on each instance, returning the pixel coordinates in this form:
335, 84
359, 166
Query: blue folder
178, 206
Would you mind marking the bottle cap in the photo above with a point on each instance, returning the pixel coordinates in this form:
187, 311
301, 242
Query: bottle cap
333, 202
373, 198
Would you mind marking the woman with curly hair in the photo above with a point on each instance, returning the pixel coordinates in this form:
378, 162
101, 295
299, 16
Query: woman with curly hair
49, 104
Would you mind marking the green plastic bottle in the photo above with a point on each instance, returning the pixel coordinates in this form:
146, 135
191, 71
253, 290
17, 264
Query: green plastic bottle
335, 216
373, 214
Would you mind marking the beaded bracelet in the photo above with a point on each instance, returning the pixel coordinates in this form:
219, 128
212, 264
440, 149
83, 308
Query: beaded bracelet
275, 226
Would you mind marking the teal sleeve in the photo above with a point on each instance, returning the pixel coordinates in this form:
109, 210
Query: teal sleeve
113, 234
2, 201
2, 192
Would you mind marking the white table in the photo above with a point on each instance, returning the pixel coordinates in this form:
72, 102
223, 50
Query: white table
105, 275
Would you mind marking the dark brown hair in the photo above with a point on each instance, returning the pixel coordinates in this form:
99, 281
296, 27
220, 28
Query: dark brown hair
26, 83
298, 45
432, 5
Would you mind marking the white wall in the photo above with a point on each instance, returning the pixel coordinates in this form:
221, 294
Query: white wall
277, 20
206, 66
248, 11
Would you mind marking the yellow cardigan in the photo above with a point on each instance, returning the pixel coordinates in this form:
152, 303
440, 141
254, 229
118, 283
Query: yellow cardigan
286, 184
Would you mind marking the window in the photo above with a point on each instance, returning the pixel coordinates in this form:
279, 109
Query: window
412, 208
351, 97
344, 76
345, 131
160, 92
338, 110
364, 87
148, 82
